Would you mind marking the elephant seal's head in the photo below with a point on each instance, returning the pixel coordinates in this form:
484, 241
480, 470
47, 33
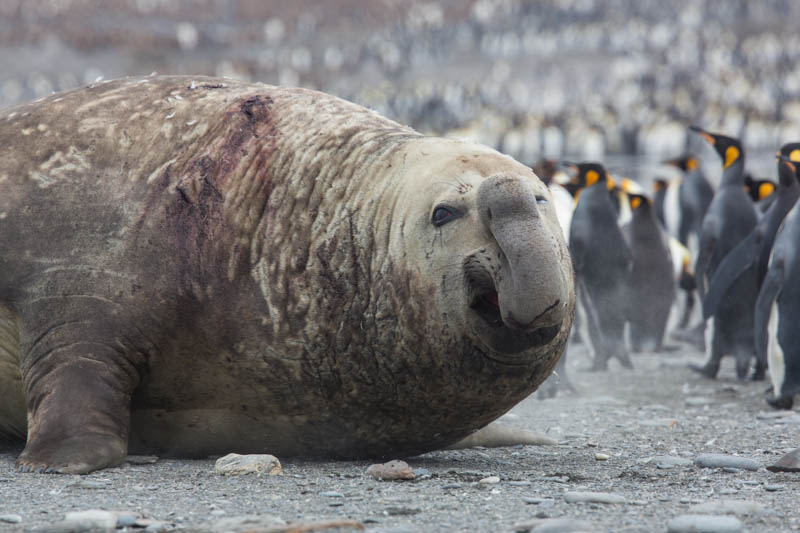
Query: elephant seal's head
484, 228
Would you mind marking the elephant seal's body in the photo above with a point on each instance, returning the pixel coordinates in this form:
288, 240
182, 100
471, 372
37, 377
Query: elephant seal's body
236, 267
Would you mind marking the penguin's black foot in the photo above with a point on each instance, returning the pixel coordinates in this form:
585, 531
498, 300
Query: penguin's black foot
625, 361
780, 402
708, 371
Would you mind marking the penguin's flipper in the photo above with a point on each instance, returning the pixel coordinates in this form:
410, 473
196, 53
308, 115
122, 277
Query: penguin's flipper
732, 266
704, 256
770, 290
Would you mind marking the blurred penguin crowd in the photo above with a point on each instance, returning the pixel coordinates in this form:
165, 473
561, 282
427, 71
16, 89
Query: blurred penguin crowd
641, 257
584, 78
672, 244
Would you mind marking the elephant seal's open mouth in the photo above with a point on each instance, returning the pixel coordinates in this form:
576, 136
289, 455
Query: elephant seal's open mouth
498, 335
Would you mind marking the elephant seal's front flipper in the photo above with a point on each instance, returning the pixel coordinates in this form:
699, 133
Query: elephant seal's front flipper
79, 379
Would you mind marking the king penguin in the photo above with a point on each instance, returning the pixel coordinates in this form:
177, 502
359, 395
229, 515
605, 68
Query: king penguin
731, 216
694, 197
652, 281
777, 336
756, 247
602, 263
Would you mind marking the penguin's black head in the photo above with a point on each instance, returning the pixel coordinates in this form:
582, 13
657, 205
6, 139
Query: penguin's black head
659, 184
728, 148
686, 162
789, 162
758, 189
586, 175
789, 159
638, 202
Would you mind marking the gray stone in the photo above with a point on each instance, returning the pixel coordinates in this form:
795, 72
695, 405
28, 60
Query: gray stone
519, 483
541, 502
88, 484
234, 464
774, 488
700, 523
125, 519
718, 460
10, 518
331, 494
737, 507
91, 520
553, 525
593, 497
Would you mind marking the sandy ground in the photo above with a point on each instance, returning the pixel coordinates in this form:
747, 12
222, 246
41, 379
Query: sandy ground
659, 408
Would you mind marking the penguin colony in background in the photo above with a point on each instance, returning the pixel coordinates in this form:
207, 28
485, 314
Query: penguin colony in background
733, 248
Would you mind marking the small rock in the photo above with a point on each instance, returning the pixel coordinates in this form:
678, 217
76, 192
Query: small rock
731, 470
519, 483
788, 463
90, 520
491, 480
498, 435
553, 525
593, 497
772, 415
727, 491
10, 518
601, 457
391, 471
737, 507
541, 502
718, 460
331, 494
125, 519
768, 488
421, 472
234, 464
698, 523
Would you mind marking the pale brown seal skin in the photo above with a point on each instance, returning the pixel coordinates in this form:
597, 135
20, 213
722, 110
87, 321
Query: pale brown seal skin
196, 266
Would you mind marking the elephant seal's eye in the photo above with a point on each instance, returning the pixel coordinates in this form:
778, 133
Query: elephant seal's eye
541, 200
443, 214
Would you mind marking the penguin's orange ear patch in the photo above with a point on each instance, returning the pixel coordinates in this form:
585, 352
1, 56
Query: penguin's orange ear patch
731, 155
765, 189
795, 155
691, 163
592, 177
636, 201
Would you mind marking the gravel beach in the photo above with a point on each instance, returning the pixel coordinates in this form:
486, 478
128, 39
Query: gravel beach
625, 461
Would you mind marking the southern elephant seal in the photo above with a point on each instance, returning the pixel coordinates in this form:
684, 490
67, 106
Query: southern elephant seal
197, 266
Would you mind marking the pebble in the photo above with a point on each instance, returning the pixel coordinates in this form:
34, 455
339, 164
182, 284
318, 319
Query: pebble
125, 519
391, 471
718, 460
553, 525
768, 488
593, 497
519, 483
541, 502
491, 480
737, 507
10, 518
90, 520
234, 464
728, 491
601, 457
331, 494
700, 523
